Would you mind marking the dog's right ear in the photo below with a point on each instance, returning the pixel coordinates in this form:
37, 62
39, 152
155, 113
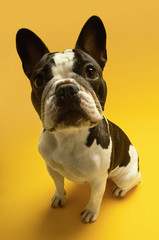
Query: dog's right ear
92, 40
30, 49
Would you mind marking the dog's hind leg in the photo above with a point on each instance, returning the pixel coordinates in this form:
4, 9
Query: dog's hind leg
126, 177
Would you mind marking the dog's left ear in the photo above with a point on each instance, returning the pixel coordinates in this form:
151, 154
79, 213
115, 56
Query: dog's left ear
30, 49
92, 40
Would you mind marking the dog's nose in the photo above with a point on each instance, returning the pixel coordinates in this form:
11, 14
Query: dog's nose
66, 91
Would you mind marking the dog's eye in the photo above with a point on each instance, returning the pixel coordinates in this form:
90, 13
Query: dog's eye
39, 81
91, 72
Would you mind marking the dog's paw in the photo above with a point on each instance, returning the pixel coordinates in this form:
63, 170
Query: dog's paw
58, 201
89, 216
118, 192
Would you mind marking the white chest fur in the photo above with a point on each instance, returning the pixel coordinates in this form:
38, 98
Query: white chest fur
67, 153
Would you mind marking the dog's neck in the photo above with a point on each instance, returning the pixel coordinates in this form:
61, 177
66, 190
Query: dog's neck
71, 139
74, 134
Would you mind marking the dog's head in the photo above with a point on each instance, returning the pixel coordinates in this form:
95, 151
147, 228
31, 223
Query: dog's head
68, 90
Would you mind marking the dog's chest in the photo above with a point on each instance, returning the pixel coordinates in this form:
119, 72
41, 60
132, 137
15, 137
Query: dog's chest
69, 155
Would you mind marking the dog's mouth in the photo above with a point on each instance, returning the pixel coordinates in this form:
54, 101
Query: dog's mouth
71, 117
72, 120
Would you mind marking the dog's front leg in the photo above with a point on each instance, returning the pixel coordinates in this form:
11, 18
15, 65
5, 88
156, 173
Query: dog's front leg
91, 211
58, 199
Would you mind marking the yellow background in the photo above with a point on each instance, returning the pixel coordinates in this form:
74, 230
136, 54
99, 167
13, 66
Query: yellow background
132, 76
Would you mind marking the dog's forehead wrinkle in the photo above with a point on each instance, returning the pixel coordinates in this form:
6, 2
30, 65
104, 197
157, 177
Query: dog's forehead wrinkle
63, 63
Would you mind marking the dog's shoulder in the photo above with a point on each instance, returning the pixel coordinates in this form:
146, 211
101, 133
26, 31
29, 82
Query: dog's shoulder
100, 134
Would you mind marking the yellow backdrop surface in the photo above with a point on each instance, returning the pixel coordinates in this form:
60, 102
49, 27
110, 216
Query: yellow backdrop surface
132, 76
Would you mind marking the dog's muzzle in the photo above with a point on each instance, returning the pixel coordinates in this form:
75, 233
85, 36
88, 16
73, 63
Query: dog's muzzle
68, 104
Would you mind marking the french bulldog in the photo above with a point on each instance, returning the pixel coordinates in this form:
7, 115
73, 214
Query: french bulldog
77, 141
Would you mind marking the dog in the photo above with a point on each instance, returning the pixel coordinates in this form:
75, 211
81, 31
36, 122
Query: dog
77, 141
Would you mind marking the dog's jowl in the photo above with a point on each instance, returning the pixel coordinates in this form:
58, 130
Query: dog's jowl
77, 142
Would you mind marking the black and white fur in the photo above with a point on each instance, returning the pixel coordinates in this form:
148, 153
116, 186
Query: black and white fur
77, 142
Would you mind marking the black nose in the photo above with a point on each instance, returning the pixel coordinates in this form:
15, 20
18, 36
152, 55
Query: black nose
66, 91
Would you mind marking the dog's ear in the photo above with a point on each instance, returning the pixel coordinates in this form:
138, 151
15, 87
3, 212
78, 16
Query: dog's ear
92, 40
30, 49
